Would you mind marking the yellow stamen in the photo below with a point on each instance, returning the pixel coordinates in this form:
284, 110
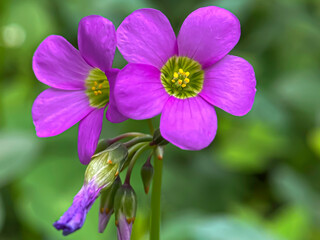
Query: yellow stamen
187, 80
99, 92
95, 83
173, 80
180, 71
180, 81
100, 85
95, 93
183, 85
187, 74
93, 88
175, 75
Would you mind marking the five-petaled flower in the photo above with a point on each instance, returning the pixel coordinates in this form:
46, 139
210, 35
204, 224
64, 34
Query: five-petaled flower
183, 77
81, 84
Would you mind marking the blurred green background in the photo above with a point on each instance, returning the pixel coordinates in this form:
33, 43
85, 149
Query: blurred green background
259, 179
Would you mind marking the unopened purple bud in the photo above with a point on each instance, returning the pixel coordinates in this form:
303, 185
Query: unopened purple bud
124, 228
107, 204
74, 217
125, 205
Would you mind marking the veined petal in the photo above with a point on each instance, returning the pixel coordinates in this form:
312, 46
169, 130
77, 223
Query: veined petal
113, 114
124, 228
58, 64
189, 124
230, 85
97, 41
74, 218
208, 34
54, 111
138, 92
146, 37
89, 133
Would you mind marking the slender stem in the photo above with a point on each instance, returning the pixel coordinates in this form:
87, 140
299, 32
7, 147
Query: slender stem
133, 161
150, 126
145, 138
155, 200
125, 135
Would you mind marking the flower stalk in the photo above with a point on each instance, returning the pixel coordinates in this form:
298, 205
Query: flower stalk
133, 161
156, 200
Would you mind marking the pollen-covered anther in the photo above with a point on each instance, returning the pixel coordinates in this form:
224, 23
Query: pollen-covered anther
182, 77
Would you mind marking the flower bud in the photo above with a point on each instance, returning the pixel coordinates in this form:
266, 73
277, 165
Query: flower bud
105, 165
158, 139
102, 145
146, 175
125, 211
160, 152
100, 174
107, 203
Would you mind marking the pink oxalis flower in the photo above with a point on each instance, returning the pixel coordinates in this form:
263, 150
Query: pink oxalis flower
81, 84
183, 78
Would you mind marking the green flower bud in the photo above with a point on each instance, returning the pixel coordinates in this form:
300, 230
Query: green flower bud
146, 175
125, 203
105, 166
107, 204
158, 139
102, 145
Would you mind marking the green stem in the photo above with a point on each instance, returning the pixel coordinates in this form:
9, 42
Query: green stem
133, 161
155, 200
125, 135
145, 138
150, 126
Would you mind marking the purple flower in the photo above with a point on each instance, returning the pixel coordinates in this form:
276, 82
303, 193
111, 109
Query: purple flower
124, 228
74, 218
81, 84
183, 77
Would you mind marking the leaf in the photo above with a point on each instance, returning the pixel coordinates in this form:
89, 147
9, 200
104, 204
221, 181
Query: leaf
195, 227
18, 151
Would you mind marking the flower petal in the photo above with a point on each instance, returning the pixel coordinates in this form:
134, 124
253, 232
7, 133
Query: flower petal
89, 133
138, 92
113, 114
74, 218
124, 228
208, 34
54, 111
97, 41
146, 37
230, 85
190, 123
58, 64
